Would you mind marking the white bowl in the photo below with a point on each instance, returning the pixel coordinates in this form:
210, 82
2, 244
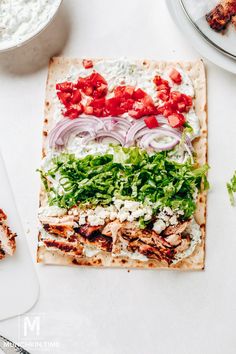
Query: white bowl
17, 43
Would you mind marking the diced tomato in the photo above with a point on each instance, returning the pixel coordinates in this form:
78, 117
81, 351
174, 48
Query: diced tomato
118, 91
113, 106
157, 80
151, 122
147, 100
76, 97
136, 114
166, 110
82, 81
64, 97
96, 78
98, 107
65, 86
87, 63
163, 95
100, 91
94, 85
161, 83
180, 101
181, 107
127, 104
163, 87
175, 76
129, 91
124, 91
189, 101
176, 120
139, 94
88, 110
72, 113
98, 103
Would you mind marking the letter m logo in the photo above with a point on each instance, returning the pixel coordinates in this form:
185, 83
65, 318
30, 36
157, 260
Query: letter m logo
31, 325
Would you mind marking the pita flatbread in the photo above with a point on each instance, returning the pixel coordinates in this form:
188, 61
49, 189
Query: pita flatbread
59, 68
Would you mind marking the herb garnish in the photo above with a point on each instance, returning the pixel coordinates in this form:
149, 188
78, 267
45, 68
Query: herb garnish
231, 187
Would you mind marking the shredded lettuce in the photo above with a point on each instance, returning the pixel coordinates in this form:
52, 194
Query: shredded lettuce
231, 187
128, 174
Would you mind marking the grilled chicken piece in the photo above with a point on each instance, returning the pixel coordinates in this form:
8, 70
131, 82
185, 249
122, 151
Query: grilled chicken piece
64, 247
60, 226
155, 253
112, 228
177, 229
2, 215
58, 220
7, 237
87, 230
60, 230
174, 240
221, 15
185, 243
101, 241
93, 236
129, 231
160, 241
2, 254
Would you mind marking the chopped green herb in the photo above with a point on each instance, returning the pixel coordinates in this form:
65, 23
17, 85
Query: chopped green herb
231, 186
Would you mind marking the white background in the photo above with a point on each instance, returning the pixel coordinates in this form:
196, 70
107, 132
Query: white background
115, 311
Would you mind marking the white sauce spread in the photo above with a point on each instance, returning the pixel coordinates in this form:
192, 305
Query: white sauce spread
21, 19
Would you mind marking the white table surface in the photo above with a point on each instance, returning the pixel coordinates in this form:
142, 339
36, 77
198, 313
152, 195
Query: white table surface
115, 311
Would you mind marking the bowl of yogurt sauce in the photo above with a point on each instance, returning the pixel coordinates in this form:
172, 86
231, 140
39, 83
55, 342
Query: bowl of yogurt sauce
21, 20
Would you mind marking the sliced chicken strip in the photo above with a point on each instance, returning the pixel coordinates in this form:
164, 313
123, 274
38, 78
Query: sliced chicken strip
68, 220
183, 246
64, 247
2, 215
177, 229
7, 239
2, 253
60, 230
174, 240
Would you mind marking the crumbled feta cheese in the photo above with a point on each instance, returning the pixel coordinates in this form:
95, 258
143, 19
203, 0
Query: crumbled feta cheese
173, 220
52, 211
121, 209
118, 203
82, 220
163, 216
130, 205
137, 213
113, 215
159, 226
168, 211
94, 220
123, 215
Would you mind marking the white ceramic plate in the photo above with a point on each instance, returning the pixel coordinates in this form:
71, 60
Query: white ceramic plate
15, 44
19, 283
195, 38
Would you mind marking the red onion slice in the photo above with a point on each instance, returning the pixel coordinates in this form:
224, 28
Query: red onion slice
61, 133
149, 140
115, 135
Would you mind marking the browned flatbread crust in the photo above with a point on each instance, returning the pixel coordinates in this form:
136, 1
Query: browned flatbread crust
58, 68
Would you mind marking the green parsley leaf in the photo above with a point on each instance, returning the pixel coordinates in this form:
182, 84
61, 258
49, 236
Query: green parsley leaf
231, 187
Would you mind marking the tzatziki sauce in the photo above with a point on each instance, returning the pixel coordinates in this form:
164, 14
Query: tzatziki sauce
22, 19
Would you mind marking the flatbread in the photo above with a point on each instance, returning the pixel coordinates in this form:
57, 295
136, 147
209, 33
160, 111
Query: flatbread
59, 68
